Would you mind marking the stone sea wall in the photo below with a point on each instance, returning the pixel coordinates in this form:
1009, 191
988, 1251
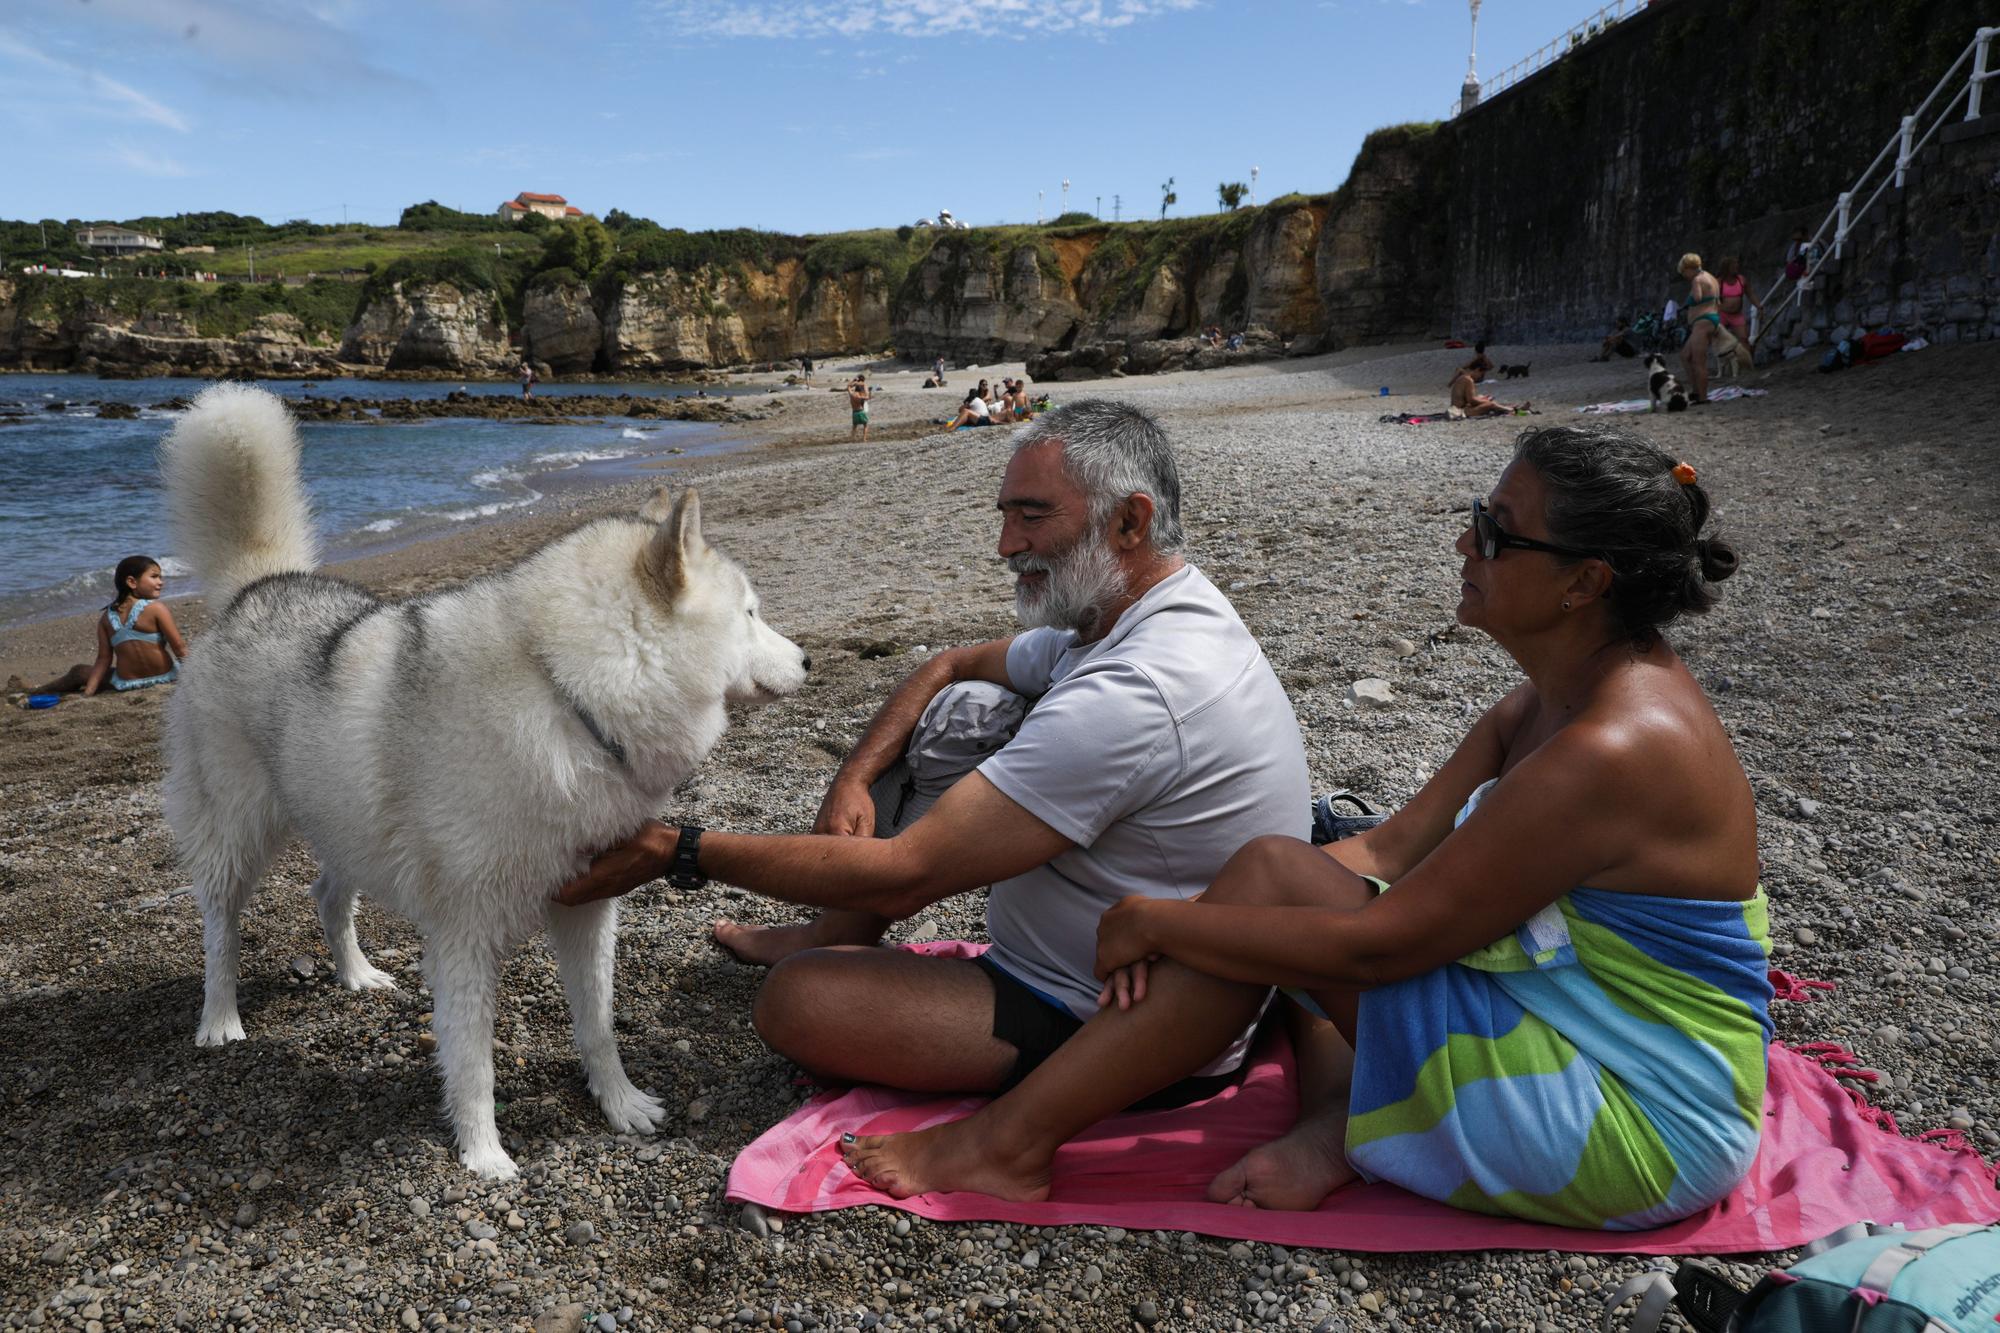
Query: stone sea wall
1717, 126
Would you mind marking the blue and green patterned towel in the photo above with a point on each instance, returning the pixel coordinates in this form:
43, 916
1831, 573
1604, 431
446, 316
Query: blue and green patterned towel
1601, 1067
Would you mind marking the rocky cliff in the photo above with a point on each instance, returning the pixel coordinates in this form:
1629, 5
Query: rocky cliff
717, 316
430, 326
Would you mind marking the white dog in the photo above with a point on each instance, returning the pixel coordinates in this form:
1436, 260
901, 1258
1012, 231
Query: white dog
456, 756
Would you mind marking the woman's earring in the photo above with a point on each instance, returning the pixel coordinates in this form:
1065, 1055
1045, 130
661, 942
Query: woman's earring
1565, 606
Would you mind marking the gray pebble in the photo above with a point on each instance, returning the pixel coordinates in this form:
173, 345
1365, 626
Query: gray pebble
579, 1233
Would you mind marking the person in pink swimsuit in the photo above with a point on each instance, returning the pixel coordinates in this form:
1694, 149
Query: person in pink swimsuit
1736, 294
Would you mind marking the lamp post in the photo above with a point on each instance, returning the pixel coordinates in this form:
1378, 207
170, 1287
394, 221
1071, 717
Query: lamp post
1253, 186
1065, 207
1039, 194
1468, 93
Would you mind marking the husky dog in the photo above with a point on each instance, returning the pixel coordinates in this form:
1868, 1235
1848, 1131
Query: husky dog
1660, 382
456, 756
1730, 354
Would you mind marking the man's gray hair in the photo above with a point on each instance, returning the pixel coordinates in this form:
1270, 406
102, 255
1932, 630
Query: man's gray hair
1114, 451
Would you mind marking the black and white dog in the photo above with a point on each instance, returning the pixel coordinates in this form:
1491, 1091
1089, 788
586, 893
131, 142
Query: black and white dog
1662, 385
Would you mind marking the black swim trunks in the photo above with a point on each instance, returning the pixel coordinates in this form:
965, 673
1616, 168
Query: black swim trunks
1035, 1027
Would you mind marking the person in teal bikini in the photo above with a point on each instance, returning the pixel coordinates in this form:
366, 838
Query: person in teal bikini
1704, 312
138, 643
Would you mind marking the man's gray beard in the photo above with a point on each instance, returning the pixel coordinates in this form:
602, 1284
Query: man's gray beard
1080, 583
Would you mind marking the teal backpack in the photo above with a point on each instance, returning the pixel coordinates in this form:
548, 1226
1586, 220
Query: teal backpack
1861, 1279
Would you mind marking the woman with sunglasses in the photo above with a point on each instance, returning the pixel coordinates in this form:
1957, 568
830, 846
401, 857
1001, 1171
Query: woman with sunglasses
1560, 1010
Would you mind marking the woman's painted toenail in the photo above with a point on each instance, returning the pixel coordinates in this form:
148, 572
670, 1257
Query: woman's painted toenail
847, 1138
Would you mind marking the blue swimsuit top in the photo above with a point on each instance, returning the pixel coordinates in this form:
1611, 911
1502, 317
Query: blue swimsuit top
126, 633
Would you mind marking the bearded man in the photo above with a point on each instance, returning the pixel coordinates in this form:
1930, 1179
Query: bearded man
1127, 742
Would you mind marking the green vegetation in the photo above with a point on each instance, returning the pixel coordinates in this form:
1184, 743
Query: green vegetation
1231, 193
218, 310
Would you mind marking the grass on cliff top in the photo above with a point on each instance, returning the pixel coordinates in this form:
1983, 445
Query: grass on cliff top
325, 306
353, 253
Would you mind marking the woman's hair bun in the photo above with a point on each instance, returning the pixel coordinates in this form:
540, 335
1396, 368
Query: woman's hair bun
1718, 558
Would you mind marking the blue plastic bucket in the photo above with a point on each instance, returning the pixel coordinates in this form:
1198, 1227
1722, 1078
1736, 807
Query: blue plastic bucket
44, 700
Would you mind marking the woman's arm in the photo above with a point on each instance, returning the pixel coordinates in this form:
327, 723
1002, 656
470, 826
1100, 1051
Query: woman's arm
1393, 848
100, 670
1561, 818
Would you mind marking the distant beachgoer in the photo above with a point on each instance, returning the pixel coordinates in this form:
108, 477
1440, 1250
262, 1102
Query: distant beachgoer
1735, 291
973, 411
1481, 364
859, 395
1704, 324
1618, 341
1471, 402
1796, 260
138, 643
527, 374
806, 368
937, 371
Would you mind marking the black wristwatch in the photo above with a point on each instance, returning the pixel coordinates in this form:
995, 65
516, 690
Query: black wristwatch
685, 872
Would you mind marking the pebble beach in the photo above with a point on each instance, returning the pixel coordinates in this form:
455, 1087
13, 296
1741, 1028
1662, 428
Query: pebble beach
304, 1178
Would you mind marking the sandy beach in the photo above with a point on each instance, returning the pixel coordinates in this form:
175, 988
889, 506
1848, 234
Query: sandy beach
304, 1178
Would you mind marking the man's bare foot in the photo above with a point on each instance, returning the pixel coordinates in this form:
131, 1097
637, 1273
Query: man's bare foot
953, 1157
767, 946
1293, 1173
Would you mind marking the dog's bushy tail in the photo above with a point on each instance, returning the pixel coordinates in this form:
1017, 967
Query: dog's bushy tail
235, 503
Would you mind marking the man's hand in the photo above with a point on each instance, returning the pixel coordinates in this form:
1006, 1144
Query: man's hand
640, 859
847, 811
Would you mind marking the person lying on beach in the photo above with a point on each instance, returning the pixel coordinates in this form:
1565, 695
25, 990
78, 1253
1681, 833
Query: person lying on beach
138, 643
1473, 403
1539, 990
1158, 741
972, 411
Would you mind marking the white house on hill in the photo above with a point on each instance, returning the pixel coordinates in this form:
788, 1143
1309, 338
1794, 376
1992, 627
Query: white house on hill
548, 205
116, 240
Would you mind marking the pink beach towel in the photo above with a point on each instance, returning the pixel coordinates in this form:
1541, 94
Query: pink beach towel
1827, 1159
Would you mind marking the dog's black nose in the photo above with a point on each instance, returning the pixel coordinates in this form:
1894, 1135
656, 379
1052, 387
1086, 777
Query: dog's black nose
806, 662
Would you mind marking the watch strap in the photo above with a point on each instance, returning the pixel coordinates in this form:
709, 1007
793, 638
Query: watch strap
685, 871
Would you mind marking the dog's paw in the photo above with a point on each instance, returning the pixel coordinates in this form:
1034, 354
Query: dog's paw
219, 1031
631, 1111
365, 976
488, 1163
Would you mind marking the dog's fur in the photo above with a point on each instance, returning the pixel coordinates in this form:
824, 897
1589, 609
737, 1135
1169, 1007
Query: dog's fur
456, 757
1519, 372
1729, 355
1662, 385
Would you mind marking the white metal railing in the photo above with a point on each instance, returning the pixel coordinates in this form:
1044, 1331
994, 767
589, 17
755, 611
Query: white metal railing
1550, 52
1903, 146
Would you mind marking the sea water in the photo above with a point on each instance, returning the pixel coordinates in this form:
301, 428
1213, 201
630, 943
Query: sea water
78, 492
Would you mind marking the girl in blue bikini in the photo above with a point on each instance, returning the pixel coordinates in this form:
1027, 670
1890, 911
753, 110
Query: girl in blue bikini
138, 643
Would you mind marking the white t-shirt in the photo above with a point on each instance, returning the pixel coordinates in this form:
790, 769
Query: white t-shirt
978, 407
1159, 750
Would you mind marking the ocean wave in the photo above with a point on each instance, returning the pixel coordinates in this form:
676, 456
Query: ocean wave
488, 510
569, 458
382, 525
630, 433
496, 478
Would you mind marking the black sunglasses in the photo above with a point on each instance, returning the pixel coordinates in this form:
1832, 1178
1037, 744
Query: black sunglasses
1489, 538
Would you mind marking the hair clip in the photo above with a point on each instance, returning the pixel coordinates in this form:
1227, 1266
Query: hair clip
1684, 473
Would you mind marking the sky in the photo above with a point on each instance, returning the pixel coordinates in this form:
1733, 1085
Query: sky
788, 115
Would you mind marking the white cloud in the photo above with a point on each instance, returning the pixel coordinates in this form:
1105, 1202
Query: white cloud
107, 94
908, 18
148, 164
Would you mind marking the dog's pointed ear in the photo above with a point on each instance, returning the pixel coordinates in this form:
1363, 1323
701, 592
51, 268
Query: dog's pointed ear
659, 507
675, 542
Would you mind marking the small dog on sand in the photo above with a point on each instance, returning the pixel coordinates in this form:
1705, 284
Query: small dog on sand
455, 756
1663, 387
1519, 372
